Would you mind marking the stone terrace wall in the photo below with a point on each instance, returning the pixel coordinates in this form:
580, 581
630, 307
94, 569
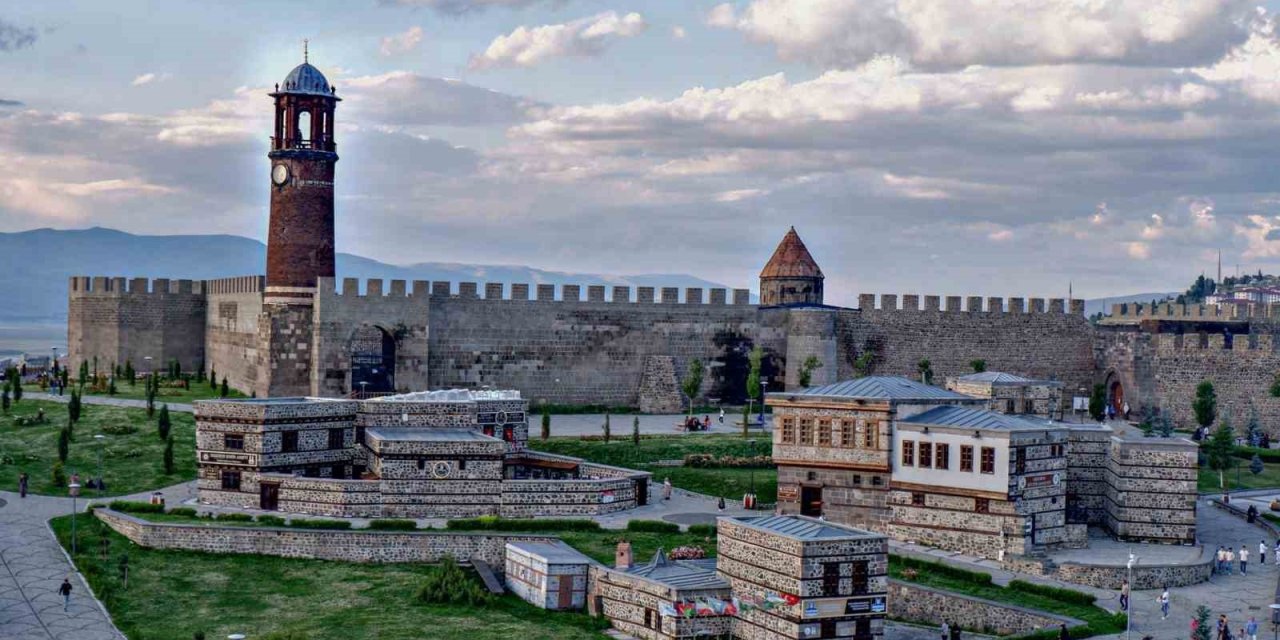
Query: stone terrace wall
550, 498
1144, 576
1088, 450
593, 351
345, 546
915, 603
1036, 341
118, 320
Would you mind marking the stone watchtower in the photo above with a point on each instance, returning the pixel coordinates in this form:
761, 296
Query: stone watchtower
300, 245
792, 276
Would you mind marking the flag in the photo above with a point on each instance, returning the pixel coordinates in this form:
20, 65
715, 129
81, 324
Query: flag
717, 605
732, 607
704, 608
790, 599
666, 609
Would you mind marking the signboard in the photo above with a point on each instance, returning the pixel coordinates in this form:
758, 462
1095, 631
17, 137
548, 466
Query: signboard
788, 494
1080, 403
226, 458
1037, 481
874, 604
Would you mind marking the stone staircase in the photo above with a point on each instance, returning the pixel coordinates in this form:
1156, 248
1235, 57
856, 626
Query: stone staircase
491, 581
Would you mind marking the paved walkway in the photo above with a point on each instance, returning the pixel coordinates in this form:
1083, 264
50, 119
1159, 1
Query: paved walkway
109, 401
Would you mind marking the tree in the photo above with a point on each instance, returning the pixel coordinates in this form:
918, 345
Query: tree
64, 378
225, 390
979, 365
130, 374
163, 424
59, 476
200, 372
1098, 402
117, 371
84, 373
64, 443
863, 363
635, 431
692, 382
925, 369
111, 387
1205, 406
168, 456
74, 406
1255, 464
213, 378
4, 400
546, 422
1253, 430
607, 434
756, 361
1218, 451
151, 397
17, 387
746, 419
1202, 624
1164, 426
807, 368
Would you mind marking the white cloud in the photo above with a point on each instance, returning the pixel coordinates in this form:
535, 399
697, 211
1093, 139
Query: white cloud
529, 46
401, 42
738, 195
679, 33
148, 78
460, 7
956, 33
1139, 250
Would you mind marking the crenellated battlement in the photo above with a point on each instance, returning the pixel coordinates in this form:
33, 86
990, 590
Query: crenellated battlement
1136, 312
969, 304
614, 294
1168, 343
98, 286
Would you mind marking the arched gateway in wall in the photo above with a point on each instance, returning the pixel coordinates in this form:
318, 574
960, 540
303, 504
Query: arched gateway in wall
373, 360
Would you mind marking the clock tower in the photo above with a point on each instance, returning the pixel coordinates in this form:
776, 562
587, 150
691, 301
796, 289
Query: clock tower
300, 245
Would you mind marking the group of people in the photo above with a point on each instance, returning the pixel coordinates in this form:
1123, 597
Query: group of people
1163, 599
1226, 558
692, 423
1248, 632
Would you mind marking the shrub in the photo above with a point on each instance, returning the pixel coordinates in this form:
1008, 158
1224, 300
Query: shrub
392, 524
1056, 593
687, 553
702, 529
708, 461
955, 573
119, 428
233, 517
291, 634
168, 456
449, 584
271, 521
164, 423
186, 512
320, 524
653, 526
59, 475
133, 506
493, 523
64, 444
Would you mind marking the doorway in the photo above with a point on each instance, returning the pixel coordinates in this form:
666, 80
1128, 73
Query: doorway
269, 496
811, 501
565, 593
642, 492
373, 360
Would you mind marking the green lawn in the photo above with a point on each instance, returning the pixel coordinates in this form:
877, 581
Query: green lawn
726, 482
1240, 480
198, 391
173, 594
131, 463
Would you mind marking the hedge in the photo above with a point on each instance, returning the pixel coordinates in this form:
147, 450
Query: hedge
271, 521
975, 577
493, 523
187, 512
233, 517
653, 526
1247, 453
392, 524
1056, 593
320, 524
702, 529
131, 506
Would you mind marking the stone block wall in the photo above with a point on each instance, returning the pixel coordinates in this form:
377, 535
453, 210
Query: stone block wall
1151, 492
629, 601
1144, 576
924, 605
552, 498
120, 321
1088, 450
231, 330
401, 313
539, 582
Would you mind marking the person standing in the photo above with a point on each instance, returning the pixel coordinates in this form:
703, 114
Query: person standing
1124, 596
65, 592
22, 484
720, 504
1220, 558
1262, 553
1164, 604
1063, 634
1231, 560
946, 630
666, 488
1251, 629
721, 415
1244, 560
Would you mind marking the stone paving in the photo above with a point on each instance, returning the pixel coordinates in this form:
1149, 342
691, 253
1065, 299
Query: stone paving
127, 403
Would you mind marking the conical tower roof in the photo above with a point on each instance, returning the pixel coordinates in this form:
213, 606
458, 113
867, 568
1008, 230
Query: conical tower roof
791, 260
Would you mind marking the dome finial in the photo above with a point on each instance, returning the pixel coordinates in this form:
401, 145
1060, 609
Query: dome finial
305, 56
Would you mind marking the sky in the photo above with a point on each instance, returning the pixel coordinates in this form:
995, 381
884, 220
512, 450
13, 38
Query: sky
965, 147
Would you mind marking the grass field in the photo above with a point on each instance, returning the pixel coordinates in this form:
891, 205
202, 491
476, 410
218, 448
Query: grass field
131, 463
173, 594
1240, 480
198, 391
726, 482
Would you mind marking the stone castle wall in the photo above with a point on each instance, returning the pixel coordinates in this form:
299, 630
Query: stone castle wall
231, 329
401, 312
1151, 489
117, 321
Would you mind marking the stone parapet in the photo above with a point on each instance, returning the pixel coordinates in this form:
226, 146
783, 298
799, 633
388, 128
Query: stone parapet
916, 603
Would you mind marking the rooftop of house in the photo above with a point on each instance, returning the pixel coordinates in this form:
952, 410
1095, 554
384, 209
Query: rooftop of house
971, 418
426, 434
692, 575
451, 395
804, 528
555, 552
877, 388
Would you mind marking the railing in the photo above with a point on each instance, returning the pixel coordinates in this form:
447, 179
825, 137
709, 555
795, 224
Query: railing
323, 144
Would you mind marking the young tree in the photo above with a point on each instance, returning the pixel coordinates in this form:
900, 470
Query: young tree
111, 387
65, 374
151, 397
807, 368
1218, 451
84, 373
1164, 426
17, 386
925, 369
546, 422
863, 364
746, 419
74, 406
200, 372
979, 365
607, 434
225, 390
1202, 624
756, 361
1253, 430
1255, 464
635, 431
213, 378
129, 374
1098, 402
168, 456
58, 476
163, 424
64, 443
117, 371
1205, 406
692, 382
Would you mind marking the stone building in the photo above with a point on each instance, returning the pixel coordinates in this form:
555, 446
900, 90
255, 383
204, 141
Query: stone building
1009, 393
426, 454
664, 598
550, 574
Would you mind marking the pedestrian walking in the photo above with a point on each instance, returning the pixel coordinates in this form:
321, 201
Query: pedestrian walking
720, 504
1244, 560
1220, 560
666, 488
946, 630
65, 592
1262, 553
1063, 634
1124, 596
1251, 629
1223, 631
1164, 604
22, 484
721, 415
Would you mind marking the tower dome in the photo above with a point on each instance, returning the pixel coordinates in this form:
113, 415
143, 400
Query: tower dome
306, 79
792, 276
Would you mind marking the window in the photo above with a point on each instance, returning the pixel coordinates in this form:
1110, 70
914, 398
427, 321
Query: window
1057, 450
926, 455
1008, 405
233, 441
288, 441
337, 438
1020, 459
876, 481
857, 480
966, 458
806, 431
908, 453
462, 465
824, 433
831, 579
982, 505
988, 460
870, 435
648, 618
859, 577
917, 499
422, 464
847, 434
230, 480
788, 431
942, 457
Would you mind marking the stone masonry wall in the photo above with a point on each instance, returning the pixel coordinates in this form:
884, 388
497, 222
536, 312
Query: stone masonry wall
400, 312
915, 603
117, 321
1144, 577
1151, 489
231, 330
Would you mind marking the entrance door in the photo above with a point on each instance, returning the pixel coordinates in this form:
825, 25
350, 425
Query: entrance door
269, 496
811, 501
566, 593
642, 492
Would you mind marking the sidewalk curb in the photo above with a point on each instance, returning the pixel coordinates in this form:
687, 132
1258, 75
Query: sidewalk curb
101, 607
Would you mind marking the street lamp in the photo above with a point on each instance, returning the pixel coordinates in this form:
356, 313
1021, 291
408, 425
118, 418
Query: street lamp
101, 442
752, 444
763, 384
363, 385
74, 490
1128, 617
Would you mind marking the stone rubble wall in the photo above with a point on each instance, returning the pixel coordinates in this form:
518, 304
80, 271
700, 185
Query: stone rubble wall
115, 321
625, 598
399, 313
1151, 492
920, 604
1143, 576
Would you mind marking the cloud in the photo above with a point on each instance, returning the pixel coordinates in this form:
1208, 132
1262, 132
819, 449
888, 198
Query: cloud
406, 98
9, 103
463, 7
14, 37
678, 32
401, 43
148, 78
529, 46
958, 33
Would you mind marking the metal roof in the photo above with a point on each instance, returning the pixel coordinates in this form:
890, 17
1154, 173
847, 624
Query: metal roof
306, 79
791, 260
427, 434
556, 552
1001, 378
953, 416
802, 528
878, 388
680, 574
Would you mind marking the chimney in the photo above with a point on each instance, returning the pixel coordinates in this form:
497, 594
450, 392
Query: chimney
622, 557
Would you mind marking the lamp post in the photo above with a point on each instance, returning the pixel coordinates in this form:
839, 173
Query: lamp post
1128, 618
101, 442
74, 490
363, 385
752, 444
763, 384
1275, 620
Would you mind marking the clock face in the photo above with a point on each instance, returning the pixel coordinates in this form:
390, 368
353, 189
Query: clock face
280, 174
441, 469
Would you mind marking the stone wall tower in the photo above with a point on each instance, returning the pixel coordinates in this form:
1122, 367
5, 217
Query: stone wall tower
792, 276
300, 245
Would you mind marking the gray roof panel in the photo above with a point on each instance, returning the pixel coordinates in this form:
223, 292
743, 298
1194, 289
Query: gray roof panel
878, 388
801, 528
953, 416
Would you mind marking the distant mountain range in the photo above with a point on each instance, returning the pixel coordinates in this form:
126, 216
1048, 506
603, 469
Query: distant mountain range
33, 288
